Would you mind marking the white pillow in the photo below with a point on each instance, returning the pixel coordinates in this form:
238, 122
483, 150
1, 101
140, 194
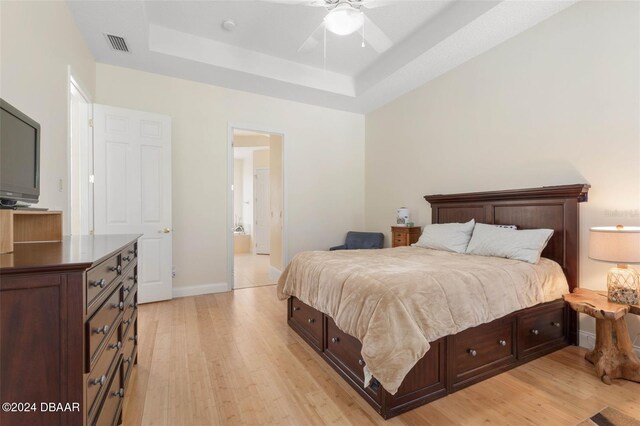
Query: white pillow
447, 236
526, 244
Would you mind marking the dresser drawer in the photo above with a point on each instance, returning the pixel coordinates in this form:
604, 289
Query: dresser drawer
130, 309
307, 320
399, 242
130, 350
129, 281
110, 411
102, 322
483, 348
128, 255
541, 331
99, 376
100, 277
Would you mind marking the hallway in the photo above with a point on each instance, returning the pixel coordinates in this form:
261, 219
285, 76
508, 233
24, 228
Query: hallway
251, 270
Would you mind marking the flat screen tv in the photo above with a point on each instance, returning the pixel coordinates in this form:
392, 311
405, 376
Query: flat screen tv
19, 157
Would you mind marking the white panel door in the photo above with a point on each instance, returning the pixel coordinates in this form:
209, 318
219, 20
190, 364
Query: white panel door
262, 216
132, 190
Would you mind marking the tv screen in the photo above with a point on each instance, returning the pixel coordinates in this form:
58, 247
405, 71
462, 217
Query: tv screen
19, 156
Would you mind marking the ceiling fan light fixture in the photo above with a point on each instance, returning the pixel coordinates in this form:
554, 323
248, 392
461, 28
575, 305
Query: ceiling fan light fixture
344, 20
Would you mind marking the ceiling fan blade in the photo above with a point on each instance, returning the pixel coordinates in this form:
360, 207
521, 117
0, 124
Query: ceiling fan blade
375, 37
314, 3
312, 41
372, 4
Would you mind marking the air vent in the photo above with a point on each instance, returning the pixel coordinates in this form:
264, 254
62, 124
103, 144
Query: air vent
117, 43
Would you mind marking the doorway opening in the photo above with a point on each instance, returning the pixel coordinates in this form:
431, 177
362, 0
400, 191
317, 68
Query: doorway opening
258, 208
80, 153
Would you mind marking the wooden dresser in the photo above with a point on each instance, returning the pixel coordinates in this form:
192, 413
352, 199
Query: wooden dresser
404, 235
68, 330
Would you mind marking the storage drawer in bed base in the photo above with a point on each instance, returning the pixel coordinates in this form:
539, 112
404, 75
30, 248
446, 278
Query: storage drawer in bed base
449, 365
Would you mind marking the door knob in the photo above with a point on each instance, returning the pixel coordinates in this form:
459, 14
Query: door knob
166, 230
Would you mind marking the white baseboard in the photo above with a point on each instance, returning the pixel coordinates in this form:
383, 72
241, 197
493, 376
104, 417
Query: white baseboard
274, 274
197, 290
587, 340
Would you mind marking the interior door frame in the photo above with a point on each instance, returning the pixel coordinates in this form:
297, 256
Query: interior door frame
255, 208
230, 177
85, 163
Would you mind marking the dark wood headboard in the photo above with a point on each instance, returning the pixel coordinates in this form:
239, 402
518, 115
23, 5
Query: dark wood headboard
552, 207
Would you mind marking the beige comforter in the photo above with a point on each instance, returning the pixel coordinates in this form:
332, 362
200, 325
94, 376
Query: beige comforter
396, 301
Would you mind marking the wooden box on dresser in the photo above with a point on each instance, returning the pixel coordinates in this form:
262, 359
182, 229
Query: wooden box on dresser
68, 330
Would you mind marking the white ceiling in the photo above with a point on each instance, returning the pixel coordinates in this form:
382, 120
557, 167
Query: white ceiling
185, 39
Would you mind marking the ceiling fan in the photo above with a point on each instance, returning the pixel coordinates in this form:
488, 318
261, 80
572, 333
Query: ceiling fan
345, 17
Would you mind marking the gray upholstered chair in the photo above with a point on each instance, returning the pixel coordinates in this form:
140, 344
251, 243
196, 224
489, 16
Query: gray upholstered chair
361, 240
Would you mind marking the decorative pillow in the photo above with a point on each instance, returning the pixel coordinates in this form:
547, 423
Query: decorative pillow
525, 245
447, 236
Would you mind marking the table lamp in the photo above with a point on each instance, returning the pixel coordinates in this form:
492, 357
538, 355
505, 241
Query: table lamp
621, 245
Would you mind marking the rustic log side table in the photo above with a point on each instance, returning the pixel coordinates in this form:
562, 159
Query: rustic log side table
613, 355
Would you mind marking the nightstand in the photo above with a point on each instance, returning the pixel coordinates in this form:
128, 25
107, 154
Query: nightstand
404, 235
613, 355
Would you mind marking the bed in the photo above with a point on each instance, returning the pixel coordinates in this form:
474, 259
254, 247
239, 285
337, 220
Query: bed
454, 361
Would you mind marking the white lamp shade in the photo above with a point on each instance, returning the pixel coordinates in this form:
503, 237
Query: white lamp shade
615, 244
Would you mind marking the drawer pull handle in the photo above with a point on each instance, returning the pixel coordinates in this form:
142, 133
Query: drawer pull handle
99, 381
134, 338
555, 324
119, 392
125, 289
335, 339
128, 360
119, 305
131, 278
127, 258
296, 308
133, 252
100, 283
535, 332
472, 352
116, 345
311, 320
502, 342
127, 321
134, 305
104, 329
360, 362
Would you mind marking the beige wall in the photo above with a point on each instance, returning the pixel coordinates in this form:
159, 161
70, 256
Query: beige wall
250, 140
260, 159
324, 169
557, 104
276, 199
38, 42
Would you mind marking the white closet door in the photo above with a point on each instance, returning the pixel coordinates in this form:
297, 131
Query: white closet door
262, 216
132, 190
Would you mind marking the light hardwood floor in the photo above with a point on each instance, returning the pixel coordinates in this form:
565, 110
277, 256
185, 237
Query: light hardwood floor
251, 270
231, 359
